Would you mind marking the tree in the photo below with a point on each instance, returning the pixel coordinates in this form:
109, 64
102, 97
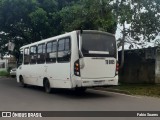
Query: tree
143, 17
146, 20
27, 21
88, 14
14, 22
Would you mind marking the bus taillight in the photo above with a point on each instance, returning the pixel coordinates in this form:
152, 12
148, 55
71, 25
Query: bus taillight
77, 68
117, 68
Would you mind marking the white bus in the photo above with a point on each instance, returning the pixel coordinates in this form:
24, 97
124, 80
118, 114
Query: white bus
75, 60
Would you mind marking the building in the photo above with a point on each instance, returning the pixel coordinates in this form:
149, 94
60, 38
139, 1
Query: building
141, 66
7, 63
3, 64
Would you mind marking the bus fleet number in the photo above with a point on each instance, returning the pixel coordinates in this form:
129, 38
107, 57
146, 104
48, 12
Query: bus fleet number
109, 61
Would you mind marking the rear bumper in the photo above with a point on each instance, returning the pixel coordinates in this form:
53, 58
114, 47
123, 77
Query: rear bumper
97, 82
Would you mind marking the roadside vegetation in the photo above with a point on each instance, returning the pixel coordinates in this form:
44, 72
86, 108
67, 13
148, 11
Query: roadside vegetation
138, 89
4, 73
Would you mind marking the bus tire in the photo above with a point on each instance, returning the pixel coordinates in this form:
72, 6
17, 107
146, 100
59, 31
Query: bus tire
46, 85
21, 81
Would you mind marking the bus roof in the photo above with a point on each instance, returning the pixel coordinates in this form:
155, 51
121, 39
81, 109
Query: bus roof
63, 35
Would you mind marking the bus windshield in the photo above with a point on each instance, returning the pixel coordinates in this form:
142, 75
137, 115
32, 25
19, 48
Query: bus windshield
96, 44
20, 58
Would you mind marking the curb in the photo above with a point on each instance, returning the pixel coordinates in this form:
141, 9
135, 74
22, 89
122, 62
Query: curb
113, 90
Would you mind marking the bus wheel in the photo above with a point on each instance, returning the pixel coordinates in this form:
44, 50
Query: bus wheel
47, 87
21, 80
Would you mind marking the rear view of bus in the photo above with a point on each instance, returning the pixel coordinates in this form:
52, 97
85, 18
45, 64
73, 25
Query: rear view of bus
97, 64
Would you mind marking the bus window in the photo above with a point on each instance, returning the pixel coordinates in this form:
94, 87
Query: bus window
64, 50
49, 47
51, 52
33, 54
26, 56
98, 45
41, 54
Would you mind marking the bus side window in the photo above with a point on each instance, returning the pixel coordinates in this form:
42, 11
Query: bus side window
33, 54
26, 56
41, 54
64, 53
51, 52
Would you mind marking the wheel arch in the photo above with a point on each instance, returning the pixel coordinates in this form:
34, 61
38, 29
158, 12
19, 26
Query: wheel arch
45, 79
19, 78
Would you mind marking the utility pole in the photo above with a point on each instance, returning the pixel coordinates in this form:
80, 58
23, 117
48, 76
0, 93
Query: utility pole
123, 41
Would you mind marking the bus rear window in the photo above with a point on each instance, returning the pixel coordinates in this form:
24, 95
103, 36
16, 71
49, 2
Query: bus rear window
98, 45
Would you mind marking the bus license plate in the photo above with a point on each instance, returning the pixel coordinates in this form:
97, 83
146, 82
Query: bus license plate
99, 82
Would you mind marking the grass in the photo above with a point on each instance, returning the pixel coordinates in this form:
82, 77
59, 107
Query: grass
140, 89
4, 73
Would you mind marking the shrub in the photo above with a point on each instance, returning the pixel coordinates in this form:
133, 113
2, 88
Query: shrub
4, 73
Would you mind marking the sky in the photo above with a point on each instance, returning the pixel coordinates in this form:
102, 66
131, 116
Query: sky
136, 46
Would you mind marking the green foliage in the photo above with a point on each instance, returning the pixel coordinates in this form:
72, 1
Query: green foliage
4, 73
27, 21
143, 89
40, 23
143, 16
146, 20
88, 14
14, 22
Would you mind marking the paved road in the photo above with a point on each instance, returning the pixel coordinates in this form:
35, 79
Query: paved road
15, 98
